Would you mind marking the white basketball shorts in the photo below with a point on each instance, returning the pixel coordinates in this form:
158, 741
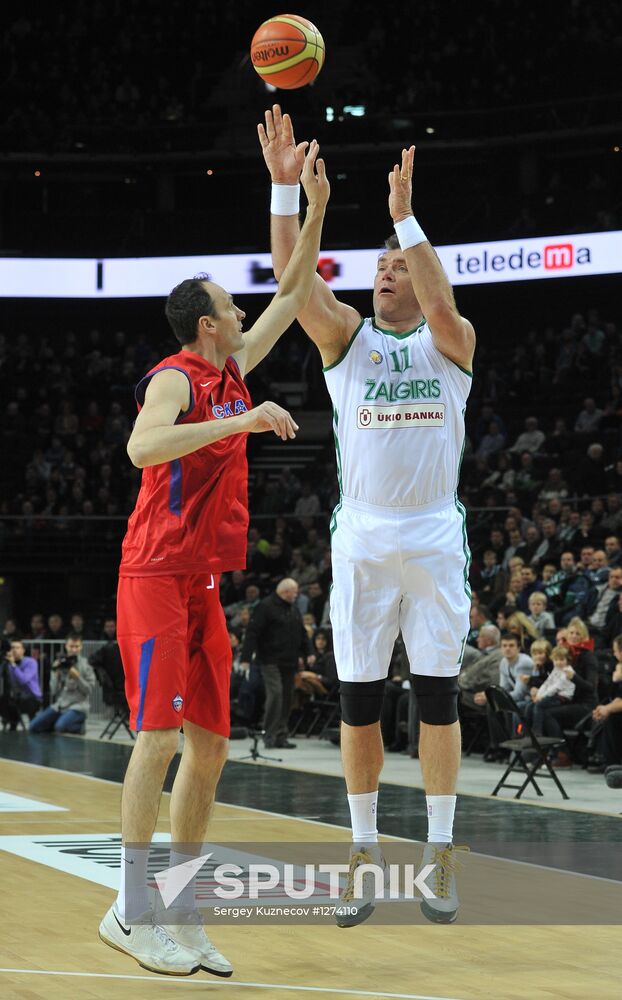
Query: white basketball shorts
399, 568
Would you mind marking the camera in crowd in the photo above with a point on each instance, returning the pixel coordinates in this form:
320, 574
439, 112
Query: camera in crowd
64, 663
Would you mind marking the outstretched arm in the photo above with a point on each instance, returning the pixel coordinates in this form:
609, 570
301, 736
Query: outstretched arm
297, 278
328, 322
452, 334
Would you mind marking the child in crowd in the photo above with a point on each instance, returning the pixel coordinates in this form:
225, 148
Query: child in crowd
557, 689
538, 615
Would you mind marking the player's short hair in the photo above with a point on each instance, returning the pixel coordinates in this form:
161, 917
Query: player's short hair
186, 304
392, 242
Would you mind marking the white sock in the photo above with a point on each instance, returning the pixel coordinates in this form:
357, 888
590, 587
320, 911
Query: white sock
363, 815
186, 899
133, 898
441, 809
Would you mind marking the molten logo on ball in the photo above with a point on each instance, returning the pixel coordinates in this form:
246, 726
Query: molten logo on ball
287, 51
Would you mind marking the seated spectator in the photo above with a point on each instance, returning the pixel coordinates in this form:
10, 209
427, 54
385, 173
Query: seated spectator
540, 618
303, 571
308, 503
490, 582
613, 550
612, 519
598, 571
523, 628
540, 653
516, 546
529, 584
602, 605
56, 627
502, 476
589, 418
513, 668
567, 590
583, 671
37, 628
317, 601
10, 630
70, 688
479, 616
614, 627
548, 572
108, 666
553, 487
481, 669
492, 442
109, 630
550, 545
20, 689
590, 475
556, 690
609, 715
526, 477
77, 624
531, 440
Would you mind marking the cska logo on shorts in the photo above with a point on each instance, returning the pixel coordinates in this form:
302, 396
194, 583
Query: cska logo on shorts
177, 702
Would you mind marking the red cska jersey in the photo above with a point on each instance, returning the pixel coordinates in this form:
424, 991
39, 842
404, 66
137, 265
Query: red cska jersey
191, 515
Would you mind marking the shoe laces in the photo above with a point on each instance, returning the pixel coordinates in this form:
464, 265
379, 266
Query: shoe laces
165, 938
446, 865
357, 858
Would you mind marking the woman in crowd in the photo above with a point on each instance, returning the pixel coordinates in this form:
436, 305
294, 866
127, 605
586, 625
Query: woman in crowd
583, 672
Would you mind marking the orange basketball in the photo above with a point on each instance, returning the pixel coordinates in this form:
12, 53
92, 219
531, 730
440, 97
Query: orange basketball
287, 51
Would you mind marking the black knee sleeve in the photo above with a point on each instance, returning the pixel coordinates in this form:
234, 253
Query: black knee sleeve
437, 698
361, 702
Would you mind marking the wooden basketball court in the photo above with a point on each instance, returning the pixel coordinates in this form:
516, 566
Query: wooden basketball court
49, 946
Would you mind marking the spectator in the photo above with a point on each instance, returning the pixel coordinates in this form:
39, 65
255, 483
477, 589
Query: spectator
583, 671
490, 583
526, 481
513, 669
609, 715
70, 687
591, 471
589, 418
554, 486
302, 569
516, 547
10, 630
76, 623
277, 636
613, 551
612, 519
598, 573
56, 628
550, 546
37, 627
529, 584
567, 590
308, 503
482, 670
556, 690
20, 690
109, 630
531, 439
602, 605
492, 442
523, 628
479, 616
540, 618
540, 653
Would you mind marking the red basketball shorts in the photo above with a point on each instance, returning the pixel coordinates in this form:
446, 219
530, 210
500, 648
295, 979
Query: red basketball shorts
175, 649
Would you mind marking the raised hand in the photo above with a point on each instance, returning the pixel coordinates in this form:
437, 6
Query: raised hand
401, 186
313, 178
270, 416
284, 158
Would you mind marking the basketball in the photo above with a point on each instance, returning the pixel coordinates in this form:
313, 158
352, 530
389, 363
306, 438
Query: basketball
287, 51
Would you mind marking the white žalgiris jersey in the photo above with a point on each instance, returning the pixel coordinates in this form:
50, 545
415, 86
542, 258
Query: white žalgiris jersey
398, 410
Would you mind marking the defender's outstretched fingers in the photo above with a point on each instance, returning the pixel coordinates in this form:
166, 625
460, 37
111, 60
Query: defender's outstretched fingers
263, 138
270, 129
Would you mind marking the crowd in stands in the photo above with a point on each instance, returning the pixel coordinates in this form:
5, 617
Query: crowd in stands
142, 64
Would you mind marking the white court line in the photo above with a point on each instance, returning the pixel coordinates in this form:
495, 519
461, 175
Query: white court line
184, 981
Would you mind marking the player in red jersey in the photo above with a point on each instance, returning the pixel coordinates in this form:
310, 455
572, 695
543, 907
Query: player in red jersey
189, 525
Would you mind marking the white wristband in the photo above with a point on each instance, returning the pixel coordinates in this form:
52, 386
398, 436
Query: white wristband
285, 199
409, 233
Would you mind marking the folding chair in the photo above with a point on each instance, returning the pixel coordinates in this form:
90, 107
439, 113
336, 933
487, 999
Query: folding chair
504, 708
474, 726
115, 698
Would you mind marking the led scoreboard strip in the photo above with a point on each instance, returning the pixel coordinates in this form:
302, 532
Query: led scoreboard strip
580, 254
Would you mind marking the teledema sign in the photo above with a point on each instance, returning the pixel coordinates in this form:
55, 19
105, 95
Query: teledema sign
579, 255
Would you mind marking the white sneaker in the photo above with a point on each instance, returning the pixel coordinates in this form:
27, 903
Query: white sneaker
354, 910
443, 908
191, 936
149, 944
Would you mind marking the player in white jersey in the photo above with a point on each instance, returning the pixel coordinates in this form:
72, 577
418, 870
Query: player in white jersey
399, 383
